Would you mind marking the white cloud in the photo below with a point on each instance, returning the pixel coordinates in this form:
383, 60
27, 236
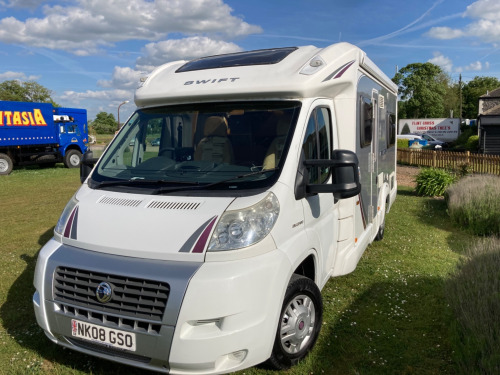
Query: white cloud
484, 9
123, 78
486, 26
444, 62
90, 25
156, 54
444, 33
108, 95
23, 3
478, 66
19, 76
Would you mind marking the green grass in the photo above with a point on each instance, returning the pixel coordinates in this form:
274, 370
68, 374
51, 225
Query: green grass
389, 316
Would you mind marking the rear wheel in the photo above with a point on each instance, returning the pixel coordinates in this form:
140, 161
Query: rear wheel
6, 164
299, 324
381, 230
72, 159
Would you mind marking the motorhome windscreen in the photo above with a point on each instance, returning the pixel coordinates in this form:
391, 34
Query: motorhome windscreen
204, 146
259, 57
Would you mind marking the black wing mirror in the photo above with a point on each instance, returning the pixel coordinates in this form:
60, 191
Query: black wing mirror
86, 165
345, 175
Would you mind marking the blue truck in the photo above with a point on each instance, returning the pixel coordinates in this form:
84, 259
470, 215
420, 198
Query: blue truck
39, 133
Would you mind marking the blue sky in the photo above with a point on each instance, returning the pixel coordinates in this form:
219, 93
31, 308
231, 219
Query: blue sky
91, 53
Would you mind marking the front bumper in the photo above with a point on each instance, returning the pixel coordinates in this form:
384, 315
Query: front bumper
220, 316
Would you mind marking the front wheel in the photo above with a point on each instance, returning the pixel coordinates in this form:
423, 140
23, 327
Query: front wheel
6, 164
72, 159
299, 324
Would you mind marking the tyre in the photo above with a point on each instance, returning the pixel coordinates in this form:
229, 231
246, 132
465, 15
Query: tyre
6, 164
72, 159
299, 323
381, 230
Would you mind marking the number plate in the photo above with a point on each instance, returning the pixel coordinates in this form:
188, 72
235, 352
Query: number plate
103, 335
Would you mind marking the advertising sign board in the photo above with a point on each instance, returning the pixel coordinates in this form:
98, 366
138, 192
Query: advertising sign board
444, 129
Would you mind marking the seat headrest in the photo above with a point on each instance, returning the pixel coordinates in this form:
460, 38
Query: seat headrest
215, 126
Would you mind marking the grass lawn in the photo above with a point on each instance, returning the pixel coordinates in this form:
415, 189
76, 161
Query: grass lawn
388, 317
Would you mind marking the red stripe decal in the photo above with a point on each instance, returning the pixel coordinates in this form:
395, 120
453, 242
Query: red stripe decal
339, 74
200, 245
67, 230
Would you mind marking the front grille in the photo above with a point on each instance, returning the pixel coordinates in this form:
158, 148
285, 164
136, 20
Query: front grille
132, 297
108, 351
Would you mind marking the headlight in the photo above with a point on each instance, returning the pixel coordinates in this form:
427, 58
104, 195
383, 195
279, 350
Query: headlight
65, 215
238, 229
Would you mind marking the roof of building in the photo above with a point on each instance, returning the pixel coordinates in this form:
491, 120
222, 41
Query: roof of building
493, 93
493, 111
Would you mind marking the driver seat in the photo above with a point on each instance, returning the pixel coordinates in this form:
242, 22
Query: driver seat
215, 146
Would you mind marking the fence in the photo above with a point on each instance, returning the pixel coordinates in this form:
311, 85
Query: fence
478, 163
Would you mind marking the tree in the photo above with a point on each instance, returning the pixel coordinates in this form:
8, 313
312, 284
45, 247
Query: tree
422, 87
473, 90
104, 123
29, 91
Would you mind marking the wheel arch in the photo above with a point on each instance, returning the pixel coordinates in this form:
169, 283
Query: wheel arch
72, 146
307, 267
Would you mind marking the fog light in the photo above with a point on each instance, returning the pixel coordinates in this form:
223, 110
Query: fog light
238, 356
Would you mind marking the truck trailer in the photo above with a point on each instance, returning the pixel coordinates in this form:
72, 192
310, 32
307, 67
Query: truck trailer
39, 133
200, 240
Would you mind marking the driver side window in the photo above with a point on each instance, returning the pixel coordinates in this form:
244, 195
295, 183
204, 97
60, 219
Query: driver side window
318, 143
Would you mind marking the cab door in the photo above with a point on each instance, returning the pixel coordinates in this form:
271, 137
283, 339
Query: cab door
320, 214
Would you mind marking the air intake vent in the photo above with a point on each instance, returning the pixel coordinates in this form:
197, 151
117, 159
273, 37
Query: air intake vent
120, 201
166, 205
381, 101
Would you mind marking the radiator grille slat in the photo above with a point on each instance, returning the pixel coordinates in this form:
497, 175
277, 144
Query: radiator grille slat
132, 297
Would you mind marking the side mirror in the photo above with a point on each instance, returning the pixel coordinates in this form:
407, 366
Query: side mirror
86, 165
345, 175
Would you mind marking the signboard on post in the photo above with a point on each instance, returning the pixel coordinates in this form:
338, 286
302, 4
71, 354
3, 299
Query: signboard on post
443, 129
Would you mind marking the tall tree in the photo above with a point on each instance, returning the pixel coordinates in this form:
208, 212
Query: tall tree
28, 91
422, 87
473, 90
104, 123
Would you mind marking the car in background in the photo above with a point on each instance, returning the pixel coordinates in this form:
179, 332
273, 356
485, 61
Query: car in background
437, 144
155, 142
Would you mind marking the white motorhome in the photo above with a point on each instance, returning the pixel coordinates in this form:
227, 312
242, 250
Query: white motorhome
200, 240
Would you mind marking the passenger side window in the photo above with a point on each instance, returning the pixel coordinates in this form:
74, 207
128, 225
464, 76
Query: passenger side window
318, 144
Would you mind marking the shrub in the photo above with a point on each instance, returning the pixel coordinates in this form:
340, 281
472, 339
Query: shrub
464, 136
403, 143
474, 203
473, 293
472, 143
433, 182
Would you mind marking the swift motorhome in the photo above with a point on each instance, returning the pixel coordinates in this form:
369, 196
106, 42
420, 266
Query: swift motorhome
200, 240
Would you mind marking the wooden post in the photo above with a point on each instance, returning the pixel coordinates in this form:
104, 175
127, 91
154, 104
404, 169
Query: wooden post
434, 159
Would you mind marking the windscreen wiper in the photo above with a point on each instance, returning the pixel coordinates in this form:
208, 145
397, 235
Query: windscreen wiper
140, 182
197, 186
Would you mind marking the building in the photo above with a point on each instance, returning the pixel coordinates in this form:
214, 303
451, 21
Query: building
489, 123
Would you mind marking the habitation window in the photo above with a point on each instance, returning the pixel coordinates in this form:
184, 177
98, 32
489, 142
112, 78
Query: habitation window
366, 121
391, 129
317, 143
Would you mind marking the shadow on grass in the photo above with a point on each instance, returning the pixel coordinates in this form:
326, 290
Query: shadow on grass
391, 328
20, 323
